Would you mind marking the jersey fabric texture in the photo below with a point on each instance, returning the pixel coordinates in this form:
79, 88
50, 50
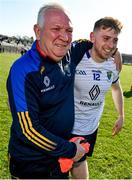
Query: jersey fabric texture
92, 81
42, 104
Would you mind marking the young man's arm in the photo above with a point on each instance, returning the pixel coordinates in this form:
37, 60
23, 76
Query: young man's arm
119, 105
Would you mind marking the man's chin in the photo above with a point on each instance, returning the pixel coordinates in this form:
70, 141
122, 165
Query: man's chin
57, 58
60, 56
106, 56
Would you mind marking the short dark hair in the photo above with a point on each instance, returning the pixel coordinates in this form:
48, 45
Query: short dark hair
108, 22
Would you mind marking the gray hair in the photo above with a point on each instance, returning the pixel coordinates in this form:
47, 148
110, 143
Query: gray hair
44, 9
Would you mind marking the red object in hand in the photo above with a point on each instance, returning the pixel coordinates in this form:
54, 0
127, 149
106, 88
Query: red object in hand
66, 163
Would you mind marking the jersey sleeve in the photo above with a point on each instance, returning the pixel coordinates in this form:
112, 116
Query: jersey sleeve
26, 112
115, 75
78, 49
115, 80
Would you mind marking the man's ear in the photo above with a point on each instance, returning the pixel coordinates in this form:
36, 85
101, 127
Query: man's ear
37, 31
92, 38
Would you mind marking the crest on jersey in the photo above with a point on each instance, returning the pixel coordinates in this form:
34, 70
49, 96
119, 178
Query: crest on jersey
42, 69
109, 75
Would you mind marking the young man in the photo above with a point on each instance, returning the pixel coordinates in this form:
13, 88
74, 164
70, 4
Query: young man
95, 74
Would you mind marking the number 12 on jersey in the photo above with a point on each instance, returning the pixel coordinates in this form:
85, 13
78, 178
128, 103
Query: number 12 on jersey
96, 76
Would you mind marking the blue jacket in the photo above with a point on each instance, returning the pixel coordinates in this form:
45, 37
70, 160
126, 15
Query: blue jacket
42, 104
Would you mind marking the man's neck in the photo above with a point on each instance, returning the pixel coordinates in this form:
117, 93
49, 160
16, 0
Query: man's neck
39, 49
95, 57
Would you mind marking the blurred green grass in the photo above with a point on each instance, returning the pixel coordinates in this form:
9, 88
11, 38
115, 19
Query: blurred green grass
112, 158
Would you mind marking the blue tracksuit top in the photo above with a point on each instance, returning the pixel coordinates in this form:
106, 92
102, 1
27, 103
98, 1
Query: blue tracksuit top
42, 104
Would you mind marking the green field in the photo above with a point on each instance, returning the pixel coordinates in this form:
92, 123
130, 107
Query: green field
112, 157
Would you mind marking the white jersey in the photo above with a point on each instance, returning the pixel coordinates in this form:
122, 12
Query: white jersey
92, 81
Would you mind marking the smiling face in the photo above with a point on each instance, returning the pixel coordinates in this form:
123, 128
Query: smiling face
56, 35
104, 43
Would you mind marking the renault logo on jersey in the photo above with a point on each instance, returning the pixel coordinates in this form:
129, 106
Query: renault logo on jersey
94, 92
46, 81
47, 84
